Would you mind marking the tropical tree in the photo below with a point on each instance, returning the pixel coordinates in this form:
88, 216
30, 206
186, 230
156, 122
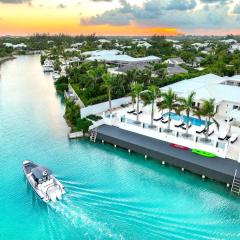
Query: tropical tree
132, 75
108, 83
169, 101
207, 110
187, 105
149, 97
136, 91
133, 95
93, 76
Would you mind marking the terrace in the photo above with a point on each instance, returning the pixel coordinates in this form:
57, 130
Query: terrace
176, 135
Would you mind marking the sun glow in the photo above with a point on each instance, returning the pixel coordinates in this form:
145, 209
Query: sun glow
25, 19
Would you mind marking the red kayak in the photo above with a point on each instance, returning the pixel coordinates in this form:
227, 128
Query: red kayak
179, 146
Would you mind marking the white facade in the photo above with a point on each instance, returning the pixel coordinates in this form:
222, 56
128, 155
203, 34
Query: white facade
116, 56
225, 91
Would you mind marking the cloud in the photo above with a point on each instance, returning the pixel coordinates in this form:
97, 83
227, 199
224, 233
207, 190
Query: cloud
61, 6
236, 9
182, 14
215, 1
182, 5
14, 1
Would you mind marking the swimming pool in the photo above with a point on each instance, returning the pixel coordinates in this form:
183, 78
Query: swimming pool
194, 121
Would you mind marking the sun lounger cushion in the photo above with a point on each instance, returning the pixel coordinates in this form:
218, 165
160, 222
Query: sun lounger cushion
233, 138
200, 129
132, 111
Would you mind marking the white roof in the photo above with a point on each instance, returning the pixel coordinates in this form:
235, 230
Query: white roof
144, 44
207, 86
199, 45
115, 55
103, 41
172, 40
101, 52
227, 41
235, 78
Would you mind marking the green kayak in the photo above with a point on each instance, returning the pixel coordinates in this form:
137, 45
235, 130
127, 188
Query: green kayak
203, 153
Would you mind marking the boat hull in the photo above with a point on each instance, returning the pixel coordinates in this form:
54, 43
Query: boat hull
47, 190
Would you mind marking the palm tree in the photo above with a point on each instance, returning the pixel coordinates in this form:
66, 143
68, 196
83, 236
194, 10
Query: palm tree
93, 76
187, 104
136, 91
133, 95
169, 102
207, 110
149, 97
108, 83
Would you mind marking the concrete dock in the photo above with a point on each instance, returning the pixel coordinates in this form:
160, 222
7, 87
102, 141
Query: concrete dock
219, 169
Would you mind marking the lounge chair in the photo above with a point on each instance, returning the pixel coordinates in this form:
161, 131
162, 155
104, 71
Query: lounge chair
210, 132
223, 135
132, 111
135, 113
164, 120
158, 119
200, 129
233, 138
185, 125
229, 119
179, 123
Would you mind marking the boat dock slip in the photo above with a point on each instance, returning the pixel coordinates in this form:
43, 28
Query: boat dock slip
217, 168
75, 135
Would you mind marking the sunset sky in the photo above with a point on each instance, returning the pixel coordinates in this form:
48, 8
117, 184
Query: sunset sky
120, 17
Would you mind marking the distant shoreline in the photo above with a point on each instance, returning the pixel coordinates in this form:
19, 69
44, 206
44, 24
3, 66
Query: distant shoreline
4, 59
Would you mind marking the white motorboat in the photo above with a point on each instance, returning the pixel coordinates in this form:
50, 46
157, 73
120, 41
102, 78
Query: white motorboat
56, 76
47, 187
48, 66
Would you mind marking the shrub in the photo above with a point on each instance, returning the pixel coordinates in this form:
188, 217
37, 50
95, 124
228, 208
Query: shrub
83, 124
94, 117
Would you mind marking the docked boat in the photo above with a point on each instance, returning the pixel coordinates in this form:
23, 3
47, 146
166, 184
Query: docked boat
48, 66
56, 76
46, 186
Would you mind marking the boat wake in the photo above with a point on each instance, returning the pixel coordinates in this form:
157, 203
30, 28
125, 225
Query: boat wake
81, 220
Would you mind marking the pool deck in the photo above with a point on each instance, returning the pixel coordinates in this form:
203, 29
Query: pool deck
219, 169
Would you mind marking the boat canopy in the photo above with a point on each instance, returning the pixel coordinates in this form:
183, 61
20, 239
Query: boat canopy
40, 173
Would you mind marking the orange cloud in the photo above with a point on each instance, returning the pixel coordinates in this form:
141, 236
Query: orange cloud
72, 28
24, 20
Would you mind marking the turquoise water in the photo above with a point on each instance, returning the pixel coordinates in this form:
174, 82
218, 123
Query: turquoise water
110, 194
195, 121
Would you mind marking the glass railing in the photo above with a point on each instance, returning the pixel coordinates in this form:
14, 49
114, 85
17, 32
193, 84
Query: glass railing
221, 145
133, 122
174, 133
206, 141
149, 126
186, 136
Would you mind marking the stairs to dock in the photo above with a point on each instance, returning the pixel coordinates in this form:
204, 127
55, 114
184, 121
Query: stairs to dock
93, 135
236, 183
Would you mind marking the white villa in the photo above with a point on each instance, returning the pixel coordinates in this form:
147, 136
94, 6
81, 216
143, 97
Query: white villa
200, 45
234, 47
116, 57
229, 41
174, 61
16, 46
225, 91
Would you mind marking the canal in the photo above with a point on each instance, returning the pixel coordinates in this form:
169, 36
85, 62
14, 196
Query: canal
111, 194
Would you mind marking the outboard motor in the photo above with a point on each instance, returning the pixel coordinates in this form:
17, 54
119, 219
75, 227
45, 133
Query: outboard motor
52, 196
59, 194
